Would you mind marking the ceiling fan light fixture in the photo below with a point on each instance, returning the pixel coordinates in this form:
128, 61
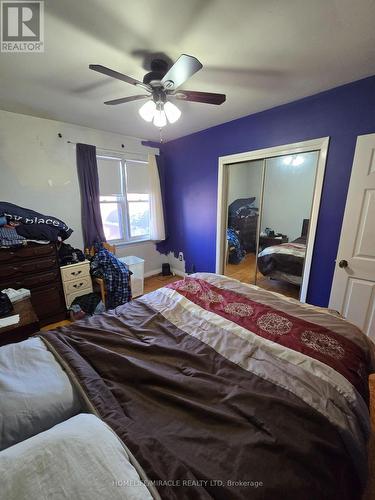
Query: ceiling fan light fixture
159, 83
160, 120
172, 112
148, 110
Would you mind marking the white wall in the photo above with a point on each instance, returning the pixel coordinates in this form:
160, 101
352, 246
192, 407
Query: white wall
178, 266
38, 171
245, 180
288, 195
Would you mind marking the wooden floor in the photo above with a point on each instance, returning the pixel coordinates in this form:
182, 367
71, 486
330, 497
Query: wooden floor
53, 326
154, 282
245, 272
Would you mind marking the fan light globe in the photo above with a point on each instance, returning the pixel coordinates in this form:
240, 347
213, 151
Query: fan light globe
159, 113
172, 112
147, 111
160, 119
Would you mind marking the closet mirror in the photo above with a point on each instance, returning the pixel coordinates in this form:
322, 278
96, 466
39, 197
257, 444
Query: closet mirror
288, 190
269, 203
243, 201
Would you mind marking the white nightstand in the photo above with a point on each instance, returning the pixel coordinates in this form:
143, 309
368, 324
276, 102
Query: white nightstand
76, 280
136, 266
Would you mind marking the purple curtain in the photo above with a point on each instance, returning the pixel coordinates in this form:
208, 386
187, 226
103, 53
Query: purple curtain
87, 168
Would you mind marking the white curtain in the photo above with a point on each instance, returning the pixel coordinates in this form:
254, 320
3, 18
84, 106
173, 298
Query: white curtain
157, 228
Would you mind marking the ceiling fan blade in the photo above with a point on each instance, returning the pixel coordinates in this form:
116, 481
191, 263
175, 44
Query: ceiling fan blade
119, 76
204, 97
182, 70
123, 100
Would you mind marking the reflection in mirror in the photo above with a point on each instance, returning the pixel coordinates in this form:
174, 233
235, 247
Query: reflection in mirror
244, 195
287, 200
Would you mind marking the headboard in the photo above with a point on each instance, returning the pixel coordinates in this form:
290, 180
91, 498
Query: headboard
305, 227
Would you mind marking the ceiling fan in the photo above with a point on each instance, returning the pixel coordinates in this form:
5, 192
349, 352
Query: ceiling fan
162, 84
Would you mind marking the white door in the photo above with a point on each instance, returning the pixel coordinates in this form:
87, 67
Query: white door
353, 288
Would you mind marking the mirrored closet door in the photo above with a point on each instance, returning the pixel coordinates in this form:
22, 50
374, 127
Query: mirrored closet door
269, 204
245, 181
288, 190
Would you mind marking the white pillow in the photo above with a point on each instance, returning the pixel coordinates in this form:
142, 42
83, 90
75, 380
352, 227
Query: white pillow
35, 392
80, 459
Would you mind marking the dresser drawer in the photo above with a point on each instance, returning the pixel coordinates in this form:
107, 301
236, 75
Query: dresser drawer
28, 252
32, 280
77, 284
75, 272
47, 301
21, 268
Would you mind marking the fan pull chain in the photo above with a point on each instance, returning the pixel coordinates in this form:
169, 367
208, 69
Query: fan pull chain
160, 135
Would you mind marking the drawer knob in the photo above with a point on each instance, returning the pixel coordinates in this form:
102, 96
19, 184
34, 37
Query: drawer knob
76, 273
78, 285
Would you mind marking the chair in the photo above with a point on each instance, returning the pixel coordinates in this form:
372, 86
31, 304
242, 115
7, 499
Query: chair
100, 281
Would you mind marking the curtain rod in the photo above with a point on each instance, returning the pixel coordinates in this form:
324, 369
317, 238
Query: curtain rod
113, 150
109, 150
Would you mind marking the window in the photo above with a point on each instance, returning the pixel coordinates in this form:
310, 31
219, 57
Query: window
124, 199
139, 214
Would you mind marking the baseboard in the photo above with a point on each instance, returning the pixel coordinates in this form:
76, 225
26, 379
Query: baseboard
154, 272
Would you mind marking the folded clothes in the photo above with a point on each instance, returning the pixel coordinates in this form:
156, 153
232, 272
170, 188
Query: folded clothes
26, 216
16, 295
9, 320
10, 238
39, 232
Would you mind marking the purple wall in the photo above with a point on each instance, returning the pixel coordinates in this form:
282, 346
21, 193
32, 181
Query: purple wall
190, 167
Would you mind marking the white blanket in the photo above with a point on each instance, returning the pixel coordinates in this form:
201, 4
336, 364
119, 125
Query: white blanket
80, 459
35, 392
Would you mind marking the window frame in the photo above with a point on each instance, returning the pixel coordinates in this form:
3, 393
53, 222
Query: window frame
123, 203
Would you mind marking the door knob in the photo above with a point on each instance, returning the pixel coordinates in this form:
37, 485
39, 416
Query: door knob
343, 263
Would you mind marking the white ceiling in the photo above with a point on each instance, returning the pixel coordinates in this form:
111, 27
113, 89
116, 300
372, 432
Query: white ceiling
260, 53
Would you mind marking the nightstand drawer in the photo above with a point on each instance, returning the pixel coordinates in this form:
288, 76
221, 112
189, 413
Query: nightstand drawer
71, 296
77, 284
76, 280
74, 272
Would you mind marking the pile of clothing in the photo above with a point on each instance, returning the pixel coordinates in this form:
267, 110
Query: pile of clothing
20, 225
116, 275
88, 304
243, 218
236, 252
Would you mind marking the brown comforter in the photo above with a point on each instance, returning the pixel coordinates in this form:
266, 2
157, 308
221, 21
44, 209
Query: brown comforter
222, 390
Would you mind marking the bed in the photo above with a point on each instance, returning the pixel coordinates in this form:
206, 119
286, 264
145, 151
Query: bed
285, 262
223, 390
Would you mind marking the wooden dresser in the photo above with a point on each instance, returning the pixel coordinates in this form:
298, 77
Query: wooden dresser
35, 267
